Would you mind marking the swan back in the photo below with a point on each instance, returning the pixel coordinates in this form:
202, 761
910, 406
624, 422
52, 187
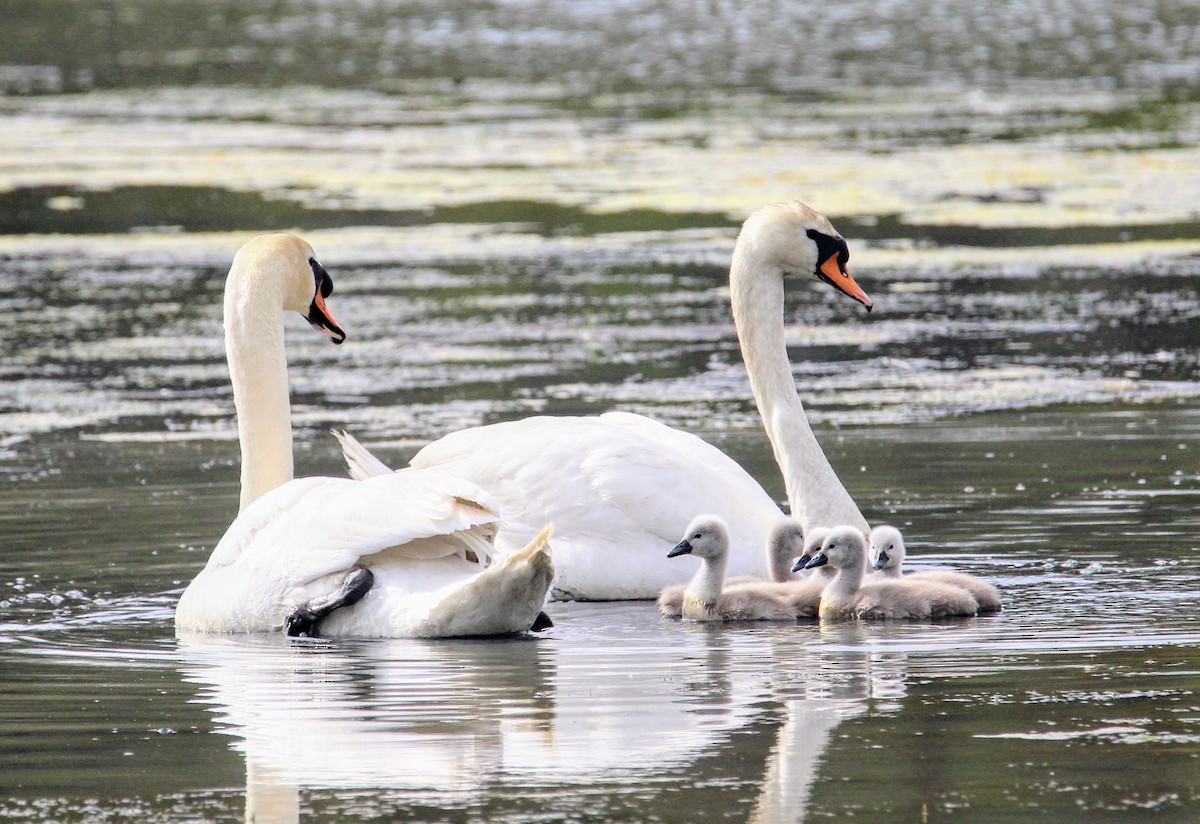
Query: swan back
618, 487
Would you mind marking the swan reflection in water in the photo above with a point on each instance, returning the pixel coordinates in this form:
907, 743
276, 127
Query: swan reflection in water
447, 724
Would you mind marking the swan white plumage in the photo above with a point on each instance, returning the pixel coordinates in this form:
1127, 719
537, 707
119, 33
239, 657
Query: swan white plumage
706, 597
424, 537
847, 596
887, 557
619, 485
776, 242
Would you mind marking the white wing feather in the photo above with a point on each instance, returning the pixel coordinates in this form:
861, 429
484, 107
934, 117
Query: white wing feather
359, 460
312, 527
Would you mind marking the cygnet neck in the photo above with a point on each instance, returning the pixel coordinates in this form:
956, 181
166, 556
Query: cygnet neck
706, 585
849, 578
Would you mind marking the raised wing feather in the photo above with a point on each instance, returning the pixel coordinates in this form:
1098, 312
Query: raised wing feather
312, 527
359, 461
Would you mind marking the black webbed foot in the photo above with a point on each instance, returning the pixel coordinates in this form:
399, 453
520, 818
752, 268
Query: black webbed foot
304, 620
302, 623
541, 622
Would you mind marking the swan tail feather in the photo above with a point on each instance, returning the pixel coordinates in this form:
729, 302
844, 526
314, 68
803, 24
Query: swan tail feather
505, 598
360, 463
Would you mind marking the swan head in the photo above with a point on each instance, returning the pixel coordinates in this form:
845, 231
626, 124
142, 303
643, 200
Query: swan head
845, 547
887, 547
706, 537
812, 545
801, 242
284, 267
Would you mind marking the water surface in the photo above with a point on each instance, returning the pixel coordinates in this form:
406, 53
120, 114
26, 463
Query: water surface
530, 209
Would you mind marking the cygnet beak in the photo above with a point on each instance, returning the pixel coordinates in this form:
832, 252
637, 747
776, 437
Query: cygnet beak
880, 560
681, 548
800, 562
818, 560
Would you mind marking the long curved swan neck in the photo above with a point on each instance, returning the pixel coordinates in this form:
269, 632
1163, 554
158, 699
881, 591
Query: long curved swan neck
258, 370
814, 491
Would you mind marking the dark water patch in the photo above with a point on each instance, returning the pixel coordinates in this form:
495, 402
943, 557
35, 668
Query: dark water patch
71, 210
651, 44
885, 228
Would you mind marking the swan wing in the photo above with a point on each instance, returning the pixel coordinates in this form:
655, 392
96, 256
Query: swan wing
313, 527
360, 463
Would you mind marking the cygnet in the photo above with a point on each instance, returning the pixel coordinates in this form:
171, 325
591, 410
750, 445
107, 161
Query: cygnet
847, 597
803, 592
888, 553
705, 598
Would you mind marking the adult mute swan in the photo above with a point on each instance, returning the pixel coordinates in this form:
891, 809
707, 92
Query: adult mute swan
706, 599
412, 551
776, 242
888, 554
618, 486
845, 549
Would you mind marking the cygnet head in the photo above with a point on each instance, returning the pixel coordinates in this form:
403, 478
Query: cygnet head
845, 547
887, 547
801, 242
707, 537
812, 545
285, 268
785, 542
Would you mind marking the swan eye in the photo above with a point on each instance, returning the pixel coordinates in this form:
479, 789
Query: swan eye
696, 537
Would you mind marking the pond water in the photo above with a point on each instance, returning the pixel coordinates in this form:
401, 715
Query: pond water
546, 228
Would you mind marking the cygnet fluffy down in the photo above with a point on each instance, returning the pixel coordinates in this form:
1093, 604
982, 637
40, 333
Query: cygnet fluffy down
888, 553
706, 598
847, 597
